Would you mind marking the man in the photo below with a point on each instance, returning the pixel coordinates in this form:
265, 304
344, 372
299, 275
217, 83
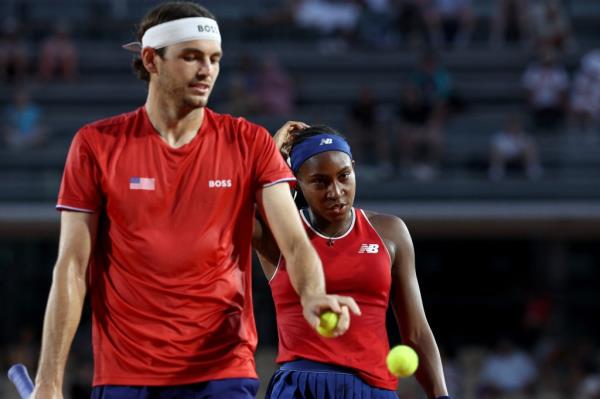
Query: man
160, 203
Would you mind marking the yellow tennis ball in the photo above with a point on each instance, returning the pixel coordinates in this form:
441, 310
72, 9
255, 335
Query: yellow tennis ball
327, 323
402, 361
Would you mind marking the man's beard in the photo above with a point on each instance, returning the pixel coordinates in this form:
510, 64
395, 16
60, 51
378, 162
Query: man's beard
181, 95
193, 103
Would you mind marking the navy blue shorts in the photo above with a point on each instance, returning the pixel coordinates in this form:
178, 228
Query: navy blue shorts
229, 388
302, 379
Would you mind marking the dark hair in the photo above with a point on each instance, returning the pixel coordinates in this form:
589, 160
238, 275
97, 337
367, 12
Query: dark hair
162, 13
299, 135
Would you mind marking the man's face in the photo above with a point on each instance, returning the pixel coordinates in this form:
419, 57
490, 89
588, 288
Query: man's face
188, 71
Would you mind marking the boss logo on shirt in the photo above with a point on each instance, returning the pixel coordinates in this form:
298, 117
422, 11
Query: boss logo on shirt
369, 249
219, 183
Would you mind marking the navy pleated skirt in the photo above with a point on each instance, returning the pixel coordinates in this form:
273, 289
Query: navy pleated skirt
305, 379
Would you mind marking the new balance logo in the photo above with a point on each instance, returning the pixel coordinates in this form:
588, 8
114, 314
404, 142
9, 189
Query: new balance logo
219, 183
326, 141
369, 249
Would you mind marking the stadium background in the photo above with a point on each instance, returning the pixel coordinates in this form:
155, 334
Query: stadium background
498, 259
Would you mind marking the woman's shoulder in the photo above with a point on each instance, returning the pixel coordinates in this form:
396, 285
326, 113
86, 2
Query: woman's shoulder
382, 220
389, 227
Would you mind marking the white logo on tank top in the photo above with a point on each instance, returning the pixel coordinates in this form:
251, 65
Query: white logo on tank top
369, 249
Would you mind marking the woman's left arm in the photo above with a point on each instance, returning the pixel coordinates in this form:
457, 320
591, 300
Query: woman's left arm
408, 306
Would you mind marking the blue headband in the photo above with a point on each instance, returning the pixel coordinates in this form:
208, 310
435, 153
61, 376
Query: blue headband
314, 145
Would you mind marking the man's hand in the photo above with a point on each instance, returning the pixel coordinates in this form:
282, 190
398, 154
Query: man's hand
314, 305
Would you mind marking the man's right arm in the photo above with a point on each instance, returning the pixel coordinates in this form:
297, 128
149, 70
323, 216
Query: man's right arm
65, 302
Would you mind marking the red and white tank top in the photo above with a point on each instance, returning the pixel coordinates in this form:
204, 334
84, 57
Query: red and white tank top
356, 264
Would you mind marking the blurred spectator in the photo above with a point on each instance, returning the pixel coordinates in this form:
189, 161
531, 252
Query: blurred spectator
510, 22
451, 22
506, 371
327, 15
585, 97
422, 112
433, 82
336, 20
513, 146
240, 100
58, 55
22, 123
275, 21
365, 132
420, 134
274, 89
412, 21
375, 23
241, 92
14, 54
546, 83
551, 25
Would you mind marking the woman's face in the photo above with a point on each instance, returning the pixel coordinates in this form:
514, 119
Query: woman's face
328, 183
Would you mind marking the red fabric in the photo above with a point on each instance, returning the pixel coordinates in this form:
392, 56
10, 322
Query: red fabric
353, 268
170, 275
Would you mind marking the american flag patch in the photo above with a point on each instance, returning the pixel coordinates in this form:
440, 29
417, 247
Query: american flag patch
141, 183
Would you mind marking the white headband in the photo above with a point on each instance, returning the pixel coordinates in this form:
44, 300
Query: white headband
177, 31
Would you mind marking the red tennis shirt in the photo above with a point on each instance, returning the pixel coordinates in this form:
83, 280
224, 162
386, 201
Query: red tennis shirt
169, 276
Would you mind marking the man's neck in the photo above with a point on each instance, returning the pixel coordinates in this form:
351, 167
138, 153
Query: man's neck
176, 125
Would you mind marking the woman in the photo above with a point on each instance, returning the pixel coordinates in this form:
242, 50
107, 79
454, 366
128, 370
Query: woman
365, 255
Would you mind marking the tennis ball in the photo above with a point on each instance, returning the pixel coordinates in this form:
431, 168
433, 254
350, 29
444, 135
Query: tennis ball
402, 361
327, 323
